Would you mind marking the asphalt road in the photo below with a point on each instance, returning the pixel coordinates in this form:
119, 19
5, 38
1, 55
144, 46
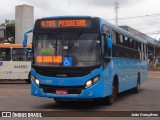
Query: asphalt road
15, 96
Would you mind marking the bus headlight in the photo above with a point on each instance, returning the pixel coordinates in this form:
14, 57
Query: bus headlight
88, 83
36, 81
91, 82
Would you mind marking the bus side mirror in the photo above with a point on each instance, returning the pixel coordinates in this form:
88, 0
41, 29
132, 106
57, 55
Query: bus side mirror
25, 41
109, 42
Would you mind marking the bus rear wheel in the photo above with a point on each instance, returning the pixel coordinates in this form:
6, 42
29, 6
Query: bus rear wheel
29, 79
137, 88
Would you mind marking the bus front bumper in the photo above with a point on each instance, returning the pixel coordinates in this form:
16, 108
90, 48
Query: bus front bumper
97, 90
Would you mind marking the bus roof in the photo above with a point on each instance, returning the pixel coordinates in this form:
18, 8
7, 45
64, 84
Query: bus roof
59, 17
103, 22
14, 46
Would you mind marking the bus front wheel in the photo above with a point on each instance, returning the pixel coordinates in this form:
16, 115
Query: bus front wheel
113, 97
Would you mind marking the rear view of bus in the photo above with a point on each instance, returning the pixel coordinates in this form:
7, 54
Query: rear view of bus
72, 60
15, 63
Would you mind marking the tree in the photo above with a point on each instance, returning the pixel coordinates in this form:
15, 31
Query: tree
10, 30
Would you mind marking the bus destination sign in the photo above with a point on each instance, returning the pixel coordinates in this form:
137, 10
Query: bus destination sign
71, 23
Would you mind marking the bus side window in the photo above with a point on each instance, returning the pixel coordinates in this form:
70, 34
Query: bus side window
18, 54
5, 54
103, 43
114, 37
106, 30
121, 39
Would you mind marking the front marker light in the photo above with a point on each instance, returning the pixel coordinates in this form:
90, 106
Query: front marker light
88, 83
33, 78
95, 79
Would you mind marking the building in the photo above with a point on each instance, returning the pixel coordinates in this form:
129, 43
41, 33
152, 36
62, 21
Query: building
2, 33
24, 20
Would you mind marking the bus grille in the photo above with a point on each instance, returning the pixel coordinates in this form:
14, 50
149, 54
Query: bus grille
70, 89
64, 71
56, 73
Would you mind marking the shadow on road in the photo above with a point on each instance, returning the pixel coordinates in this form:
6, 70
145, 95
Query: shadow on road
71, 106
85, 106
13, 82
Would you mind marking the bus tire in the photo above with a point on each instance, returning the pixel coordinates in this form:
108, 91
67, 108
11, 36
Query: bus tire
29, 79
113, 97
109, 100
137, 88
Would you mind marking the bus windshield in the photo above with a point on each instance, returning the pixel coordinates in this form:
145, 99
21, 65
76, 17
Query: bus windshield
78, 49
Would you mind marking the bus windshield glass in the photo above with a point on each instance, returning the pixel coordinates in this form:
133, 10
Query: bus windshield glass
67, 49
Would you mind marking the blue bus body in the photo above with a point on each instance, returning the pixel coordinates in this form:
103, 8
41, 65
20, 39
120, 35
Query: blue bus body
125, 70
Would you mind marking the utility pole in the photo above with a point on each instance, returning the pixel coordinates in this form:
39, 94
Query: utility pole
116, 6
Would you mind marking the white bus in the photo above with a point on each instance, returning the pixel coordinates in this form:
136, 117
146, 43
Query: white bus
15, 63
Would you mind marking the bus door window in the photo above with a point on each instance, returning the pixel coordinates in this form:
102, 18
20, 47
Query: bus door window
5, 54
114, 41
114, 37
106, 34
106, 51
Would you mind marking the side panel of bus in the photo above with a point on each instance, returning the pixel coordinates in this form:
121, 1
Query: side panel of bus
128, 71
14, 70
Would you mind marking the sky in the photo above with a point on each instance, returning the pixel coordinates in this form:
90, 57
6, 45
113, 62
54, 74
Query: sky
143, 15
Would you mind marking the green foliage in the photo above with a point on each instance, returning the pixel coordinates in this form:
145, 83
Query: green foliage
10, 30
158, 65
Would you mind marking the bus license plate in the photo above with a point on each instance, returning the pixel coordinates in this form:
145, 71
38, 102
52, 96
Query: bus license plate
63, 92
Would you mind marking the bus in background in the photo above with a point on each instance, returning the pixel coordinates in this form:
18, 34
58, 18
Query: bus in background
15, 62
85, 58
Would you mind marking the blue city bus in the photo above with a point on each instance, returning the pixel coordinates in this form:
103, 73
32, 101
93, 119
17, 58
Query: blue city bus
79, 58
